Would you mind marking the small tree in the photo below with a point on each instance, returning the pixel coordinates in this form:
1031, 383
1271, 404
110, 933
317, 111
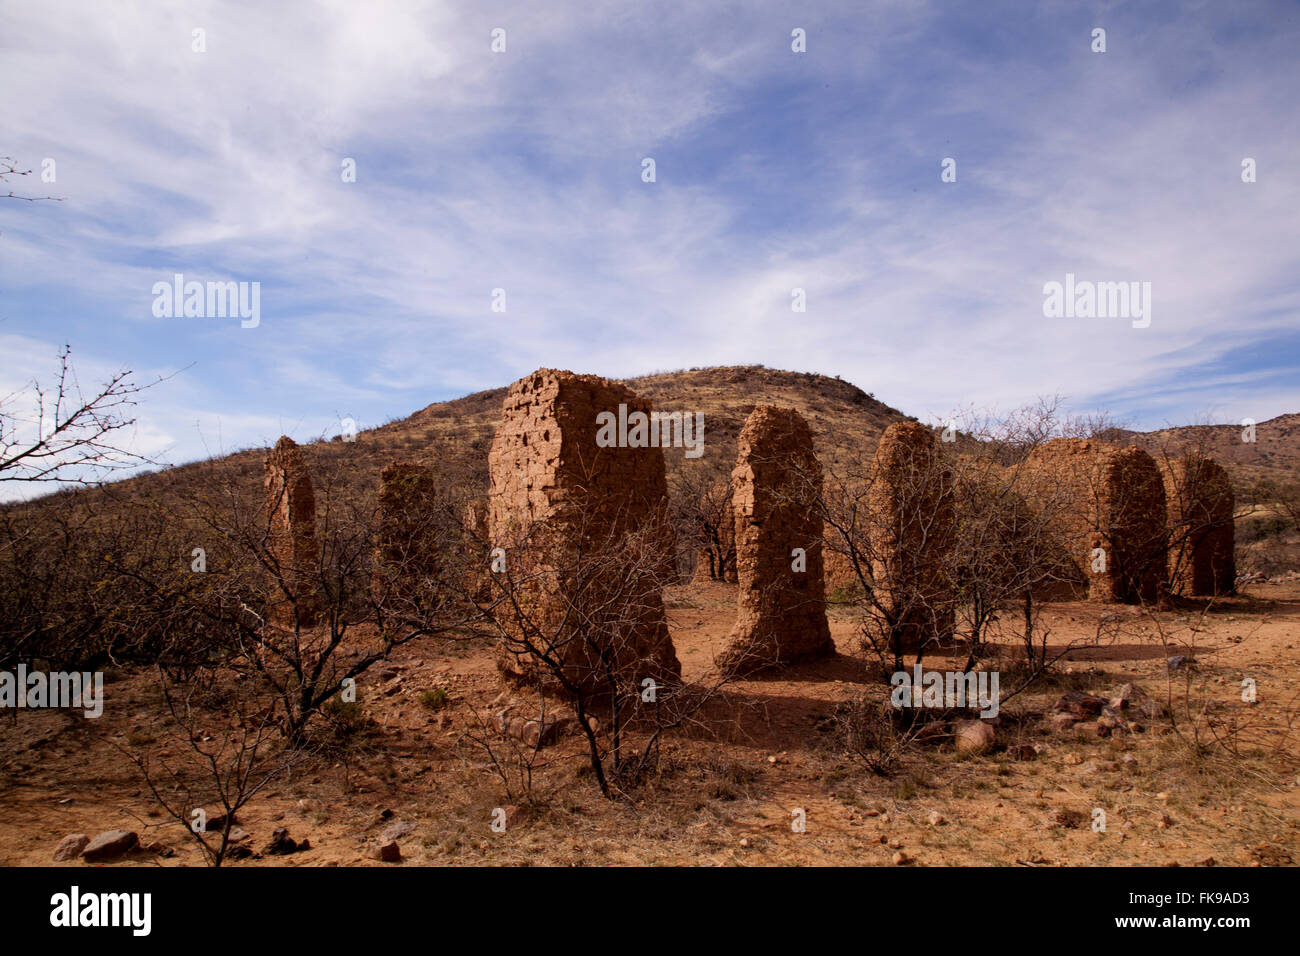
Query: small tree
62, 434
585, 623
705, 521
230, 751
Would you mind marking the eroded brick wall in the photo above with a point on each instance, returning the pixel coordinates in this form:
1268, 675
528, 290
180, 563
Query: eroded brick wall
291, 512
781, 613
576, 520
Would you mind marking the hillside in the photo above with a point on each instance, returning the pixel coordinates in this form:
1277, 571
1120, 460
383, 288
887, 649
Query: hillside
455, 436
418, 757
1275, 453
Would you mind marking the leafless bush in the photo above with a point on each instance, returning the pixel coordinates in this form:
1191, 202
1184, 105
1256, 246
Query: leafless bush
89, 580
511, 758
876, 734
76, 591
353, 602
705, 523
228, 753
586, 623
1207, 728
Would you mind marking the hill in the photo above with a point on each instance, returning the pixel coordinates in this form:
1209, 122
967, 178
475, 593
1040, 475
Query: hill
455, 436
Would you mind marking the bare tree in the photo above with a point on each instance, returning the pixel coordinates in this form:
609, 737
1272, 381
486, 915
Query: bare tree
705, 522
581, 621
503, 745
895, 537
392, 602
1005, 552
227, 738
62, 434
359, 615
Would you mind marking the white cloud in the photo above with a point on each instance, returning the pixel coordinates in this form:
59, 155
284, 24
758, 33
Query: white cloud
522, 171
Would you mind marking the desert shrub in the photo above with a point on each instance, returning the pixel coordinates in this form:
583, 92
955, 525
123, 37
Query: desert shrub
1256, 529
874, 733
727, 779
347, 718
434, 699
83, 584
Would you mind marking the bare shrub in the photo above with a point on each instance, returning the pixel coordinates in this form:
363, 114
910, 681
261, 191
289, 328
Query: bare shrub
228, 753
875, 733
702, 514
575, 620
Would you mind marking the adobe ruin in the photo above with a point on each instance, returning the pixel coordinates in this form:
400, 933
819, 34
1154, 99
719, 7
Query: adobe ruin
291, 547
781, 613
585, 533
1109, 504
1200, 500
912, 533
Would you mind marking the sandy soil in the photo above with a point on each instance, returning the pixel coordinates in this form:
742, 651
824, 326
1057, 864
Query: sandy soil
726, 794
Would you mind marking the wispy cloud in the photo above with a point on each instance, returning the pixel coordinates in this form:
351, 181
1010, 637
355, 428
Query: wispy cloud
522, 171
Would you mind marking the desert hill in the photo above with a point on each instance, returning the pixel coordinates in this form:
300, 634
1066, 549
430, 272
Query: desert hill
455, 436
410, 760
1275, 453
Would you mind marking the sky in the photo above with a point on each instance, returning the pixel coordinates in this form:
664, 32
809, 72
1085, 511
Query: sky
523, 170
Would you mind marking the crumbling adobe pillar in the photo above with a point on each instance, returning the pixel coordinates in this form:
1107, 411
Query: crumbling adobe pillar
913, 531
1200, 500
781, 614
406, 552
291, 514
1137, 518
1110, 508
585, 530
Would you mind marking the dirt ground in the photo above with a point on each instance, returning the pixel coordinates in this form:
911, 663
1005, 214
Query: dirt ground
727, 794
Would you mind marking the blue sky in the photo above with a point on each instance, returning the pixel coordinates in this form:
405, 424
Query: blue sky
522, 170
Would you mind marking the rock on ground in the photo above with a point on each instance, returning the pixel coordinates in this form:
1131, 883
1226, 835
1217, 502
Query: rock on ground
974, 737
70, 847
109, 846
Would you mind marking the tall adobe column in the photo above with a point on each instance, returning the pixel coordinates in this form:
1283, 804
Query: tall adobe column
781, 614
913, 533
291, 513
586, 534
